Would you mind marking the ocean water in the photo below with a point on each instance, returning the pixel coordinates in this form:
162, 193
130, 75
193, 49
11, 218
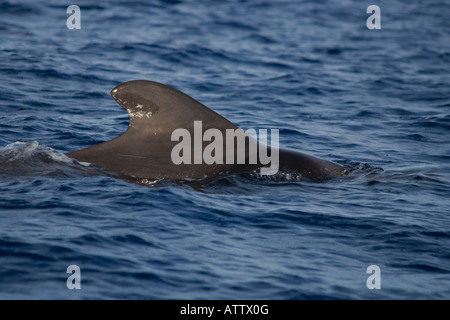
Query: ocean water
377, 101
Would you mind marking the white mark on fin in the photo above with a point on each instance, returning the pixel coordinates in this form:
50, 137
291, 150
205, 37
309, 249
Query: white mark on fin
139, 114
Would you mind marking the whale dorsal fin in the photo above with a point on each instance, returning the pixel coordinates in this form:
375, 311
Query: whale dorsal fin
144, 150
158, 108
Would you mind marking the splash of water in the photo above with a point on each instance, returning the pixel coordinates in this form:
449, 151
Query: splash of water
32, 159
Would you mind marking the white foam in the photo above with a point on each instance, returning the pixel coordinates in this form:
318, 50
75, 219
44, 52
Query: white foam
20, 150
24, 150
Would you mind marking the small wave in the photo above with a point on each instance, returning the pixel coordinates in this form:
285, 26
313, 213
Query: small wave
33, 159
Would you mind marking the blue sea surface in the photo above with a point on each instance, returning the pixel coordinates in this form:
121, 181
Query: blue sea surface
377, 101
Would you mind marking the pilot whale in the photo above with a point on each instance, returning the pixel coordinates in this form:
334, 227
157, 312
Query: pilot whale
144, 151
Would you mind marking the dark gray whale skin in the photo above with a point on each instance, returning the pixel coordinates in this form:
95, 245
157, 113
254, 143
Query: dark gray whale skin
144, 150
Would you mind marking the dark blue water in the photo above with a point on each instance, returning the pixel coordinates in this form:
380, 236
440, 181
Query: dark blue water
377, 101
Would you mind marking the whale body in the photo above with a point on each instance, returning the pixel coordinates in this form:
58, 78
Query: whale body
145, 150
